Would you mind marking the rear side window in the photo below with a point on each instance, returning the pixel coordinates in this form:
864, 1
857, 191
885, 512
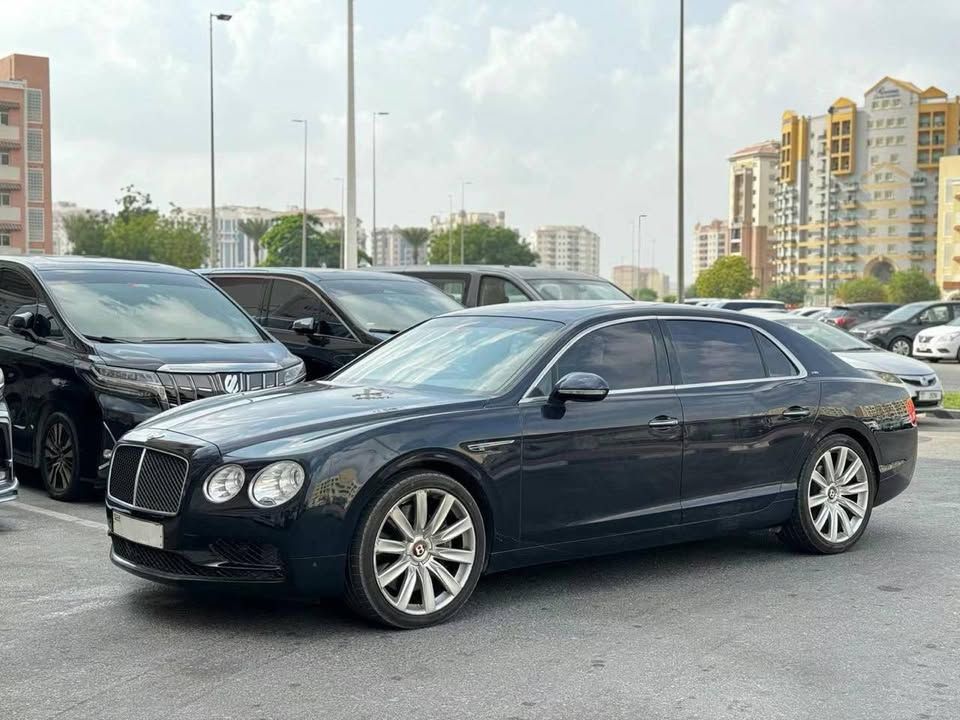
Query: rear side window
711, 352
247, 292
497, 290
453, 287
778, 364
16, 294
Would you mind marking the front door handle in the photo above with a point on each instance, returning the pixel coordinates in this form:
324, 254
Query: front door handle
796, 412
662, 421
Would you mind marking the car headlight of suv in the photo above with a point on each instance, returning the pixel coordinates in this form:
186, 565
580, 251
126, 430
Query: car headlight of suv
129, 380
886, 377
295, 373
276, 484
224, 483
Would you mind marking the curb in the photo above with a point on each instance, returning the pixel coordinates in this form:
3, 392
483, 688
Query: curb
944, 414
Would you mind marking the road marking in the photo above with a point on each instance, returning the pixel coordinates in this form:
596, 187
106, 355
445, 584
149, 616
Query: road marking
58, 515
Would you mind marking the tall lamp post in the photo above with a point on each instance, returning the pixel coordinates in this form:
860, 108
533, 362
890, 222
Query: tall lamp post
450, 231
463, 213
680, 257
350, 241
343, 221
376, 114
640, 218
214, 239
303, 238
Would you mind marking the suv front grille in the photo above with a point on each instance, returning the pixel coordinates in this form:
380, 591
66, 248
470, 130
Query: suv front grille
180, 388
147, 479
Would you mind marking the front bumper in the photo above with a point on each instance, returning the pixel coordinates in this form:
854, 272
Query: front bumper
925, 397
936, 348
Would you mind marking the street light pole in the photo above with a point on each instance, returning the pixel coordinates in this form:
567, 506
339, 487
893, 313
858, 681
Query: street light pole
376, 113
214, 234
350, 242
463, 213
680, 258
640, 218
450, 231
343, 223
303, 239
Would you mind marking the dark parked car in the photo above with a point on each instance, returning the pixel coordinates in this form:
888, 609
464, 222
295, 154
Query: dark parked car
90, 348
846, 317
475, 285
8, 481
896, 330
329, 317
749, 304
511, 435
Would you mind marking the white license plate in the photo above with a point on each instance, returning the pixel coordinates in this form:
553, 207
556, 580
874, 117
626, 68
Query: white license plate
138, 531
928, 395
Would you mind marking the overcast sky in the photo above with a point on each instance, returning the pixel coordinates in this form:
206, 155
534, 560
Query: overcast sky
559, 112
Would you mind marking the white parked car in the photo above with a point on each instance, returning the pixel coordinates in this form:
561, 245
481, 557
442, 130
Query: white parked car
941, 342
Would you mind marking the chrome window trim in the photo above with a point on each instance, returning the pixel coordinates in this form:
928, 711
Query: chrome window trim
136, 479
801, 370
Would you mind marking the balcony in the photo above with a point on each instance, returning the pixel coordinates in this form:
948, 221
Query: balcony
918, 254
848, 220
10, 174
849, 204
918, 217
918, 180
10, 218
921, 200
917, 235
9, 135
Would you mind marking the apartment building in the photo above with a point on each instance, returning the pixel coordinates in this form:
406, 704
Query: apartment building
948, 227
389, 248
442, 223
710, 242
26, 216
566, 247
633, 277
857, 191
754, 174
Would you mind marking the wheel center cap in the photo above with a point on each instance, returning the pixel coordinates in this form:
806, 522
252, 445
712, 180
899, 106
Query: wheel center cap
832, 493
418, 549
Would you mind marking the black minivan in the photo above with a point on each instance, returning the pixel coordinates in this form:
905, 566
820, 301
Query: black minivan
328, 317
90, 348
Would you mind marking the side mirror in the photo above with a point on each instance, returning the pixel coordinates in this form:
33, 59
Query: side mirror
21, 322
580, 387
305, 326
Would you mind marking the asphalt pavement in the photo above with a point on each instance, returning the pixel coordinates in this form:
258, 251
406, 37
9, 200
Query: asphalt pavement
738, 627
949, 373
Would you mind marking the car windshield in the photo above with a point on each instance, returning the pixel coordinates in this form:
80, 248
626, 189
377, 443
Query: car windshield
828, 336
468, 355
140, 306
903, 313
385, 305
576, 289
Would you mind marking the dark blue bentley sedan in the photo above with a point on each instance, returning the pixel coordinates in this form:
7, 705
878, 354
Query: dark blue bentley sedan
510, 435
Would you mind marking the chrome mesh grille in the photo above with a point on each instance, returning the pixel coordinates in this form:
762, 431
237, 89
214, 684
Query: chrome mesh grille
147, 479
180, 388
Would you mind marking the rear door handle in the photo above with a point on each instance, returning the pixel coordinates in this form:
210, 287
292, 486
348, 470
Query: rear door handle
662, 421
796, 412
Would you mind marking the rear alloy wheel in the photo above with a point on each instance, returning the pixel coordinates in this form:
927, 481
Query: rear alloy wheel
834, 500
418, 553
901, 346
60, 458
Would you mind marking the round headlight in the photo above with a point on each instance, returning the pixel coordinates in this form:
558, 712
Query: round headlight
224, 483
276, 484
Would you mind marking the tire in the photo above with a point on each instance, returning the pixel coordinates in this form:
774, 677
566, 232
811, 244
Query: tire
899, 344
933, 360
401, 600
60, 457
801, 531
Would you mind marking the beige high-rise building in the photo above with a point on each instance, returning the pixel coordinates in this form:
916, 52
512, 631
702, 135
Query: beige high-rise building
857, 193
754, 173
442, 223
710, 242
26, 213
566, 247
632, 277
948, 227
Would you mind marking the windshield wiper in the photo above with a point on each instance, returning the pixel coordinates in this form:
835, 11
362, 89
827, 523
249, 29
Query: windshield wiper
386, 331
107, 339
189, 340
856, 349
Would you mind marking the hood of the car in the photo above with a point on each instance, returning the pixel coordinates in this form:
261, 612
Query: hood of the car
940, 330
309, 409
885, 362
153, 356
866, 325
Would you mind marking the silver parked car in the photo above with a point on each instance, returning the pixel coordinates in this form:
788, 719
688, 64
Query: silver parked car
920, 380
8, 482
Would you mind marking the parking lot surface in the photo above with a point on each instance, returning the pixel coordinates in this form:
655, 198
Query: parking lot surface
732, 628
949, 373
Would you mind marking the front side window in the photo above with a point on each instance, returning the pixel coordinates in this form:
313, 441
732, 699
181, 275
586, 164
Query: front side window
575, 289
290, 301
472, 356
713, 352
16, 294
140, 307
625, 355
496, 290
938, 314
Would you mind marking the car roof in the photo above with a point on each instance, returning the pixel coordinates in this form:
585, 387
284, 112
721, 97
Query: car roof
315, 274
520, 271
854, 306
44, 263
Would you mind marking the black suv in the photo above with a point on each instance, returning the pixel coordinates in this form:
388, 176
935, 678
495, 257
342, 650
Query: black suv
329, 317
896, 330
90, 348
849, 316
474, 285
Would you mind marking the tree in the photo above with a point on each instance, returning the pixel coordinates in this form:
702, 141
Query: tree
255, 229
793, 292
87, 232
283, 240
907, 286
728, 277
648, 294
669, 298
867, 289
416, 238
482, 245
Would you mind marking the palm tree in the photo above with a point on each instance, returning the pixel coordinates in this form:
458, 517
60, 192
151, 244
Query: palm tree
255, 229
416, 238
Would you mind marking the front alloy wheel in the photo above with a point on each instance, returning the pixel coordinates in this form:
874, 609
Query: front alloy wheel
901, 346
59, 458
835, 498
418, 553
